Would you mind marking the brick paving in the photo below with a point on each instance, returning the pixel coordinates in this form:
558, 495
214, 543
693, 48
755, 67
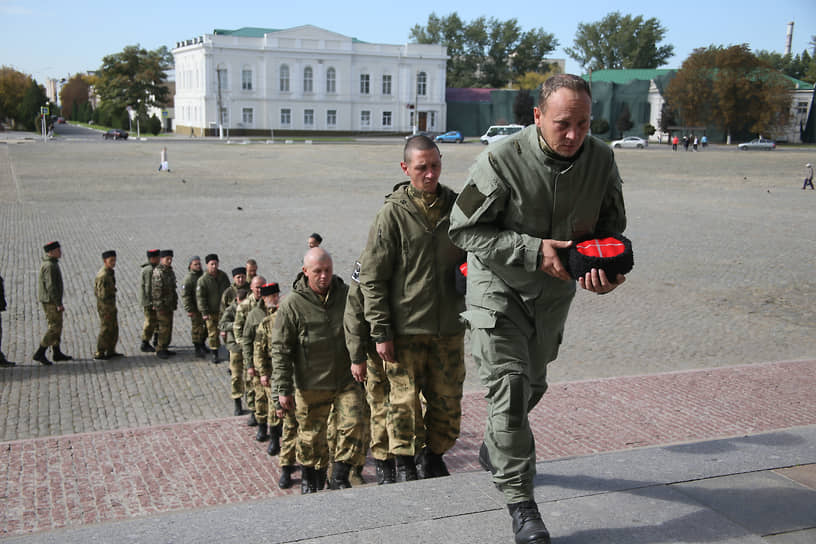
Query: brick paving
73, 480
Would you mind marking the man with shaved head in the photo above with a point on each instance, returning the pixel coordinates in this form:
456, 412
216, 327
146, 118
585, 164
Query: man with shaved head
311, 372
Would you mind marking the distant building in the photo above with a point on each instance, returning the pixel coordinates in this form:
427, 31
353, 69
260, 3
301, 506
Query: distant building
306, 80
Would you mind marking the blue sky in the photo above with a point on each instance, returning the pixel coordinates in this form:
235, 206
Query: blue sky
47, 38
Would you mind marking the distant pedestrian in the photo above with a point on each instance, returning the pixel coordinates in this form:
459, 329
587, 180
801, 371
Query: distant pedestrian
685, 143
808, 177
694, 145
163, 164
704, 141
105, 291
675, 141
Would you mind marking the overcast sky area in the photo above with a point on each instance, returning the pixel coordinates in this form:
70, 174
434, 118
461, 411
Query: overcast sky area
46, 38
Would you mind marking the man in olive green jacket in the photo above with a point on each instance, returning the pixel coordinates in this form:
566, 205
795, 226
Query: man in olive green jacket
198, 331
49, 293
105, 291
311, 372
411, 302
211, 285
526, 198
149, 326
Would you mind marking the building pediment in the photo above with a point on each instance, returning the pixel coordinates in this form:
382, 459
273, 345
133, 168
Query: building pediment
309, 32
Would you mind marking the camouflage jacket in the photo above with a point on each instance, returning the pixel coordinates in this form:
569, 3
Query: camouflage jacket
225, 324
261, 347
145, 295
253, 319
50, 282
165, 297
105, 287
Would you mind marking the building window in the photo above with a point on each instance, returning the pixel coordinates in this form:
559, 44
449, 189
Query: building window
386, 121
433, 119
365, 80
331, 118
247, 116
422, 84
286, 117
223, 80
365, 118
284, 79
802, 107
307, 80
225, 117
331, 81
246, 80
308, 118
386, 85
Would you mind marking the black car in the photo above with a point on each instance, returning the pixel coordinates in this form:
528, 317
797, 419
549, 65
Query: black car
115, 134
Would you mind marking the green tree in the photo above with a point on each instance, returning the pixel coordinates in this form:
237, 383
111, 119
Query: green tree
73, 94
134, 77
620, 41
796, 66
28, 111
13, 86
730, 88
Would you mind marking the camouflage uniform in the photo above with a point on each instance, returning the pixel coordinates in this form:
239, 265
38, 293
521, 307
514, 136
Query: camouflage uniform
253, 320
241, 312
105, 291
165, 301
519, 193
50, 291
408, 282
188, 299
145, 301
310, 361
208, 298
225, 324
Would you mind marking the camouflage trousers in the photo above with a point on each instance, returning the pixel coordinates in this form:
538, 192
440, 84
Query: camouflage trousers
164, 322
365, 435
289, 426
434, 366
150, 324
312, 407
54, 319
261, 402
108, 329
213, 334
237, 381
198, 330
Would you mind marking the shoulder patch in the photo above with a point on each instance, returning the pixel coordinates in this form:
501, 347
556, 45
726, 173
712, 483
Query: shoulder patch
355, 273
470, 199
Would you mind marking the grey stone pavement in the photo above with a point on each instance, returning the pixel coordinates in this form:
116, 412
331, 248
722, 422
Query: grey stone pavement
723, 278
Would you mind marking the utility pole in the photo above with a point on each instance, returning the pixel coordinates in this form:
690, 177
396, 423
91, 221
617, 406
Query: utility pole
218, 72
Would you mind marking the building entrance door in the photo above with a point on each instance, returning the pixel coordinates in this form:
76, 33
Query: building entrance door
423, 121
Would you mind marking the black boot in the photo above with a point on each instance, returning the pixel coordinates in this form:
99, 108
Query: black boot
239, 410
484, 459
60, 356
262, 435
155, 339
200, 350
40, 356
320, 482
433, 466
406, 468
214, 354
163, 354
5, 362
308, 480
285, 481
527, 524
340, 476
274, 439
252, 422
146, 347
386, 471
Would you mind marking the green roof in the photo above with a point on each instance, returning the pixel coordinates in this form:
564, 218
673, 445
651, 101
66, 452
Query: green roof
623, 77
246, 32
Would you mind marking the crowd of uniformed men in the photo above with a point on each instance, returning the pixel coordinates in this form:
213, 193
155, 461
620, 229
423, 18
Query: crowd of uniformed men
398, 325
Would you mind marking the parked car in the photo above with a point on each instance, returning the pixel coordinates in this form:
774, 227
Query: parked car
115, 134
60, 120
452, 136
761, 144
421, 133
497, 132
633, 142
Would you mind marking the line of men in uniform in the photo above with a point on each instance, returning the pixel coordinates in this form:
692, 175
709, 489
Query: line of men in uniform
397, 328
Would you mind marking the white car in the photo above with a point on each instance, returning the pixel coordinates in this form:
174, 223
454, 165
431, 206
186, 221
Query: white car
497, 132
761, 144
633, 142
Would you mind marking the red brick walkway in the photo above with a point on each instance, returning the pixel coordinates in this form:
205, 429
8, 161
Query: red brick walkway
72, 480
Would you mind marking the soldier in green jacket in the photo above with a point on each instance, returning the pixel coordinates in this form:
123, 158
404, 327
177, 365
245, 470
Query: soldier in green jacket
3, 361
145, 299
408, 283
49, 293
238, 282
254, 316
270, 294
311, 372
105, 291
225, 325
526, 198
210, 287
165, 301
188, 298
241, 368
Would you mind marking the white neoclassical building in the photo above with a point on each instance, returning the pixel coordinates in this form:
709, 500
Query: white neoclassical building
306, 80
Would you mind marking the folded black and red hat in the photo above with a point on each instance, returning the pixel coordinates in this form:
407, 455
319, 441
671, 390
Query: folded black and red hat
611, 253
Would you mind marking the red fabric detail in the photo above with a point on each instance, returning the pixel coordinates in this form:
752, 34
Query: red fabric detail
463, 269
601, 247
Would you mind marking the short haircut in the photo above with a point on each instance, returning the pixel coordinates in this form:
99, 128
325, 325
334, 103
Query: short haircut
420, 142
241, 294
252, 262
561, 81
317, 237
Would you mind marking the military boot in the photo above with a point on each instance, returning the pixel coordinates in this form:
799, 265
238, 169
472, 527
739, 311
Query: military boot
58, 355
252, 422
262, 435
274, 439
406, 468
321, 478
433, 466
239, 410
386, 471
527, 524
41, 357
163, 354
155, 339
484, 459
356, 476
340, 476
214, 354
200, 350
5, 362
146, 347
285, 481
308, 480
